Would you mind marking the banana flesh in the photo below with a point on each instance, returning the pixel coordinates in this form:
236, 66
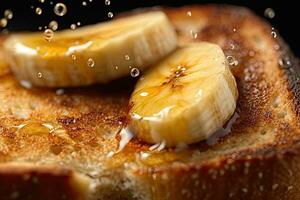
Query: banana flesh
93, 54
185, 98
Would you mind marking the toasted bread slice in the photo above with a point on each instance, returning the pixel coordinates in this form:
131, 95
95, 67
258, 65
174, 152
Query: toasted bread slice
58, 144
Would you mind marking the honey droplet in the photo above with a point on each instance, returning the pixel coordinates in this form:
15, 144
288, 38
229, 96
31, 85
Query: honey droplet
107, 2
48, 34
134, 72
53, 25
189, 13
38, 11
8, 14
73, 26
110, 15
3, 22
274, 34
269, 13
84, 3
60, 9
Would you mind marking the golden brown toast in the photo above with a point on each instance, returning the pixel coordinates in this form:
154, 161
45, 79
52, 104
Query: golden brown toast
58, 144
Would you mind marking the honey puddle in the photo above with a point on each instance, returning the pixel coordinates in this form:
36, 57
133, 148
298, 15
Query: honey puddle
35, 127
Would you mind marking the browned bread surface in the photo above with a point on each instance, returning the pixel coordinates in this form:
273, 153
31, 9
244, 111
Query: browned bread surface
76, 129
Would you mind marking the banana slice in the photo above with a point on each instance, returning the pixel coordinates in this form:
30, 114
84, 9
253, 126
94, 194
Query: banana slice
185, 98
93, 54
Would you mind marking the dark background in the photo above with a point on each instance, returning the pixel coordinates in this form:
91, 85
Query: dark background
286, 20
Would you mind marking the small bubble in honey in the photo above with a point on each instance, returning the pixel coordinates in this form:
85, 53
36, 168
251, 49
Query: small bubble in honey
38, 11
40, 75
8, 14
90, 62
107, 2
3, 23
48, 35
134, 72
73, 57
110, 14
269, 13
60, 9
232, 61
53, 25
127, 57
73, 26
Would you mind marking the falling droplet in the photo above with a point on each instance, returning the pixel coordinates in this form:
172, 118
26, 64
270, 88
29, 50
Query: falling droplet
53, 25
269, 13
40, 75
134, 72
38, 11
232, 61
42, 1
3, 22
127, 57
73, 57
40, 28
110, 14
107, 2
48, 34
84, 3
91, 62
78, 23
8, 14
189, 13
73, 26
60, 9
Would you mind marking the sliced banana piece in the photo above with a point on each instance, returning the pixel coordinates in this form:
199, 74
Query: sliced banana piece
185, 98
93, 54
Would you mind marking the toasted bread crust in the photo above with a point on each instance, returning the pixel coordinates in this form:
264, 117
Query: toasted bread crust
258, 159
25, 181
